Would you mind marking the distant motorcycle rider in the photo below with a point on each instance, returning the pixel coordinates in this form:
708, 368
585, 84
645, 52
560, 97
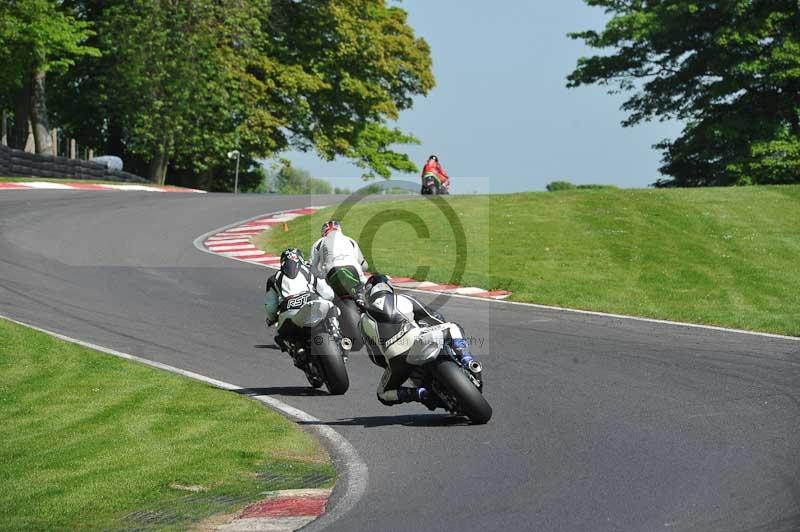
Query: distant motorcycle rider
433, 167
391, 324
337, 258
285, 292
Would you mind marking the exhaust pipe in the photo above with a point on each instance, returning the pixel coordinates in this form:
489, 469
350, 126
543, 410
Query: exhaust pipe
475, 367
346, 343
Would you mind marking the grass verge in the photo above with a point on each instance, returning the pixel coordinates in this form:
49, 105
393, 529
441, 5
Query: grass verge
719, 256
91, 441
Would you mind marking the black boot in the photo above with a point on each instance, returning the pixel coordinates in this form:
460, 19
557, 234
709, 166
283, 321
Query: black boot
408, 395
419, 395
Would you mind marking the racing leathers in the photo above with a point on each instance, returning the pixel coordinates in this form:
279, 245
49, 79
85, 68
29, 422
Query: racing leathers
338, 259
390, 325
433, 167
284, 301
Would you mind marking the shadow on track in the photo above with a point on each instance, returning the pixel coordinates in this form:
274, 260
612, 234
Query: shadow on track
290, 391
429, 420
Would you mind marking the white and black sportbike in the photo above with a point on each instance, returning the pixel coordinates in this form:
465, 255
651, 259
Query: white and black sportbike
308, 325
414, 343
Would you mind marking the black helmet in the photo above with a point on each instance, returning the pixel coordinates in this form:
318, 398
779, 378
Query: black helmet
381, 299
433, 158
376, 284
291, 260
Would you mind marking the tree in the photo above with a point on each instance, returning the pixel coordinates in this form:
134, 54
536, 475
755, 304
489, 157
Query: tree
367, 65
290, 180
729, 69
36, 37
182, 83
555, 186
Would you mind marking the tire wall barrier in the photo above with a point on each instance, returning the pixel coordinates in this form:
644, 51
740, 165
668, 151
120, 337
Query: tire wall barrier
17, 163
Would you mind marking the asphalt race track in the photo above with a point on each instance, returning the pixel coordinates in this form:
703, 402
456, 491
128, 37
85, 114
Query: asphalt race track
599, 424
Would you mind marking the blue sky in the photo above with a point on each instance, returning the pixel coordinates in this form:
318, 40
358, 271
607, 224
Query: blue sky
501, 118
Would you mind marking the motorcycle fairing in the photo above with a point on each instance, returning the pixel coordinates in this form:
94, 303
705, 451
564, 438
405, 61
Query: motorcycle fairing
306, 310
428, 344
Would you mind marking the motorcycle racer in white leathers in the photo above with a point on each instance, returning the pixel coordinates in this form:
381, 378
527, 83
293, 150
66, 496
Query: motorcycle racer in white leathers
391, 325
337, 258
286, 290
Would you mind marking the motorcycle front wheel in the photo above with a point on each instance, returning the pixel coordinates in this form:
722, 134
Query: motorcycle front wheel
328, 354
469, 400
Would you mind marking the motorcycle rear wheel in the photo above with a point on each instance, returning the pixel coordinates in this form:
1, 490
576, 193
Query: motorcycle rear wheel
470, 401
328, 355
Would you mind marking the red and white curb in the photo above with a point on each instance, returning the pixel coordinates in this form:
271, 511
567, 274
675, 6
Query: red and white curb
235, 243
286, 510
76, 185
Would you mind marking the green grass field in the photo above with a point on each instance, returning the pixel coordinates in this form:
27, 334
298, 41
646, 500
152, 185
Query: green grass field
89, 439
721, 256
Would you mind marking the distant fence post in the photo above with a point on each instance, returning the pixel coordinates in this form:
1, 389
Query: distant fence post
73, 148
4, 132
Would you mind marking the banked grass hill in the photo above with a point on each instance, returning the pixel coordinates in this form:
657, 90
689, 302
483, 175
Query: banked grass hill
719, 256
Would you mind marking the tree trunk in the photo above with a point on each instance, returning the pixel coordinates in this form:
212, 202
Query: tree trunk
157, 173
22, 106
41, 127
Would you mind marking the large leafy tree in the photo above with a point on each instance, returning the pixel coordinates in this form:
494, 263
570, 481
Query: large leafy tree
368, 65
729, 69
36, 37
181, 83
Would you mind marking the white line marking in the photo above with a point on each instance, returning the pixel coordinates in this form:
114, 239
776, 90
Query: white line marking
240, 247
419, 284
46, 185
285, 218
467, 290
252, 253
352, 469
244, 229
228, 240
134, 187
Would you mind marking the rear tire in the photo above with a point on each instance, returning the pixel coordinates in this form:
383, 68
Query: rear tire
470, 400
348, 322
327, 353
